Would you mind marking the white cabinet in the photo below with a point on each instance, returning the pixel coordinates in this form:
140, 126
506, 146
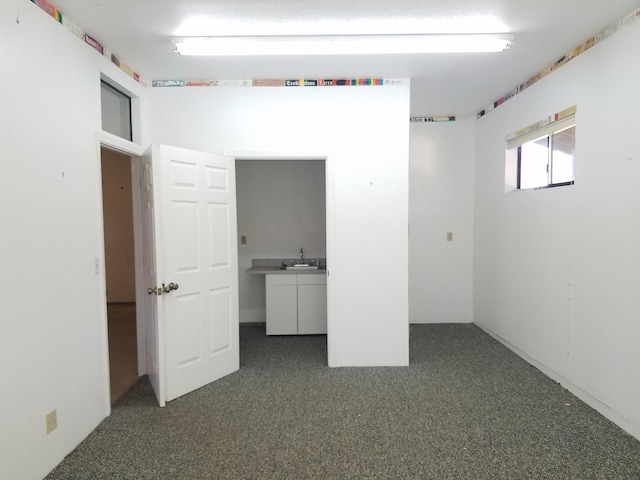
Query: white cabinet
296, 304
312, 304
282, 304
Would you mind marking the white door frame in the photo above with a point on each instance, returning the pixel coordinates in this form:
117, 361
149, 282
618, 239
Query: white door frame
125, 147
329, 206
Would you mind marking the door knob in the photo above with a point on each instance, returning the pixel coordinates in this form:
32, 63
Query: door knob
154, 291
168, 288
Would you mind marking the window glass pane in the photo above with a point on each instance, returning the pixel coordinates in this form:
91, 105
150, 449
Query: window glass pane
562, 153
534, 161
116, 111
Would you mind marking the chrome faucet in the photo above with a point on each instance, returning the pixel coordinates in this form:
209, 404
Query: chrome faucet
301, 256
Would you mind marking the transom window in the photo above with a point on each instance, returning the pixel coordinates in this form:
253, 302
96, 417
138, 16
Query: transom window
116, 111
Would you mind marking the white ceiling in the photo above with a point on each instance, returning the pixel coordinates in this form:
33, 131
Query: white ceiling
139, 32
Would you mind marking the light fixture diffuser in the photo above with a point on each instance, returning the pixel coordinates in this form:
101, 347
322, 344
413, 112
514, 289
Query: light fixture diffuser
340, 44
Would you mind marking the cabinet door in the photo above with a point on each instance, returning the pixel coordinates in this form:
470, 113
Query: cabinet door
282, 305
312, 304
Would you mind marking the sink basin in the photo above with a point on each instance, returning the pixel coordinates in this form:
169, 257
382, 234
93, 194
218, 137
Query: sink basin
301, 266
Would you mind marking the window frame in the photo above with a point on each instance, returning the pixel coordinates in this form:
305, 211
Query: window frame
550, 183
547, 127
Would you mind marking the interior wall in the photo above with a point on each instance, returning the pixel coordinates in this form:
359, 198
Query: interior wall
441, 177
556, 270
118, 231
51, 295
281, 209
364, 133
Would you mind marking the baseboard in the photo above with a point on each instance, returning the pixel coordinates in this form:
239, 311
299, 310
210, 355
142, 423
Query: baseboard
628, 425
440, 322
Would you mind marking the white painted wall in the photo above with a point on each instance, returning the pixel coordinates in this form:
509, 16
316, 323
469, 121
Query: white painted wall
441, 176
364, 133
52, 318
281, 209
528, 247
557, 271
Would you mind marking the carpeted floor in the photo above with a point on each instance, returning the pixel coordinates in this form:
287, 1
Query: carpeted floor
466, 408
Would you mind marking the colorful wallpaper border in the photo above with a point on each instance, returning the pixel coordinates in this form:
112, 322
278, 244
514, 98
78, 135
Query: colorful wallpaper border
78, 32
432, 119
580, 49
332, 82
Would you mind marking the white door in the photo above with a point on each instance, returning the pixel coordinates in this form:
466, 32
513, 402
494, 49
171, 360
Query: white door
197, 271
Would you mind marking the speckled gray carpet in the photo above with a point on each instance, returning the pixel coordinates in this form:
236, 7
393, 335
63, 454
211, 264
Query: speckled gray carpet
466, 408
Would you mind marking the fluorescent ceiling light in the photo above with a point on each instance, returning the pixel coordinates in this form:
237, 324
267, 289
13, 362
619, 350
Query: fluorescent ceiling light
340, 44
221, 25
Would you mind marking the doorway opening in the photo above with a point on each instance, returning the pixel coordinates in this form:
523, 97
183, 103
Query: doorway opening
281, 210
119, 270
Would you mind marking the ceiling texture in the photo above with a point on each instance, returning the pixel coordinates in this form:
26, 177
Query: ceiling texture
139, 32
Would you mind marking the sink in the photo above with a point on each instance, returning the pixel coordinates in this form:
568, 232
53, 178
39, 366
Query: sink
301, 266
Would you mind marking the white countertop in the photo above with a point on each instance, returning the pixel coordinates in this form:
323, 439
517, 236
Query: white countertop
277, 270
268, 266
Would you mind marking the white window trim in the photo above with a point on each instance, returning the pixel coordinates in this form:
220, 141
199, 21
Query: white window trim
543, 131
565, 119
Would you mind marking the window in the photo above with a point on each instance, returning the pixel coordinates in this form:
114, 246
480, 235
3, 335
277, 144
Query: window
116, 111
548, 161
542, 155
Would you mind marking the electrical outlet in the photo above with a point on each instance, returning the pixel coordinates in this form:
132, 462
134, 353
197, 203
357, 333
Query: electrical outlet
52, 421
449, 236
243, 239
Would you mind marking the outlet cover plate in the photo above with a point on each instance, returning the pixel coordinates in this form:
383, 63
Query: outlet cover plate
52, 421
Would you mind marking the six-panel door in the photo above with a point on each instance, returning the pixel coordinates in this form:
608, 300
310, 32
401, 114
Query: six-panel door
199, 254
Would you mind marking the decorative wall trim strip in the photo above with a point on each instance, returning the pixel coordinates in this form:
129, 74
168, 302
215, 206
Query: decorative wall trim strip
48, 8
579, 50
333, 82
78, 32
432, 119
